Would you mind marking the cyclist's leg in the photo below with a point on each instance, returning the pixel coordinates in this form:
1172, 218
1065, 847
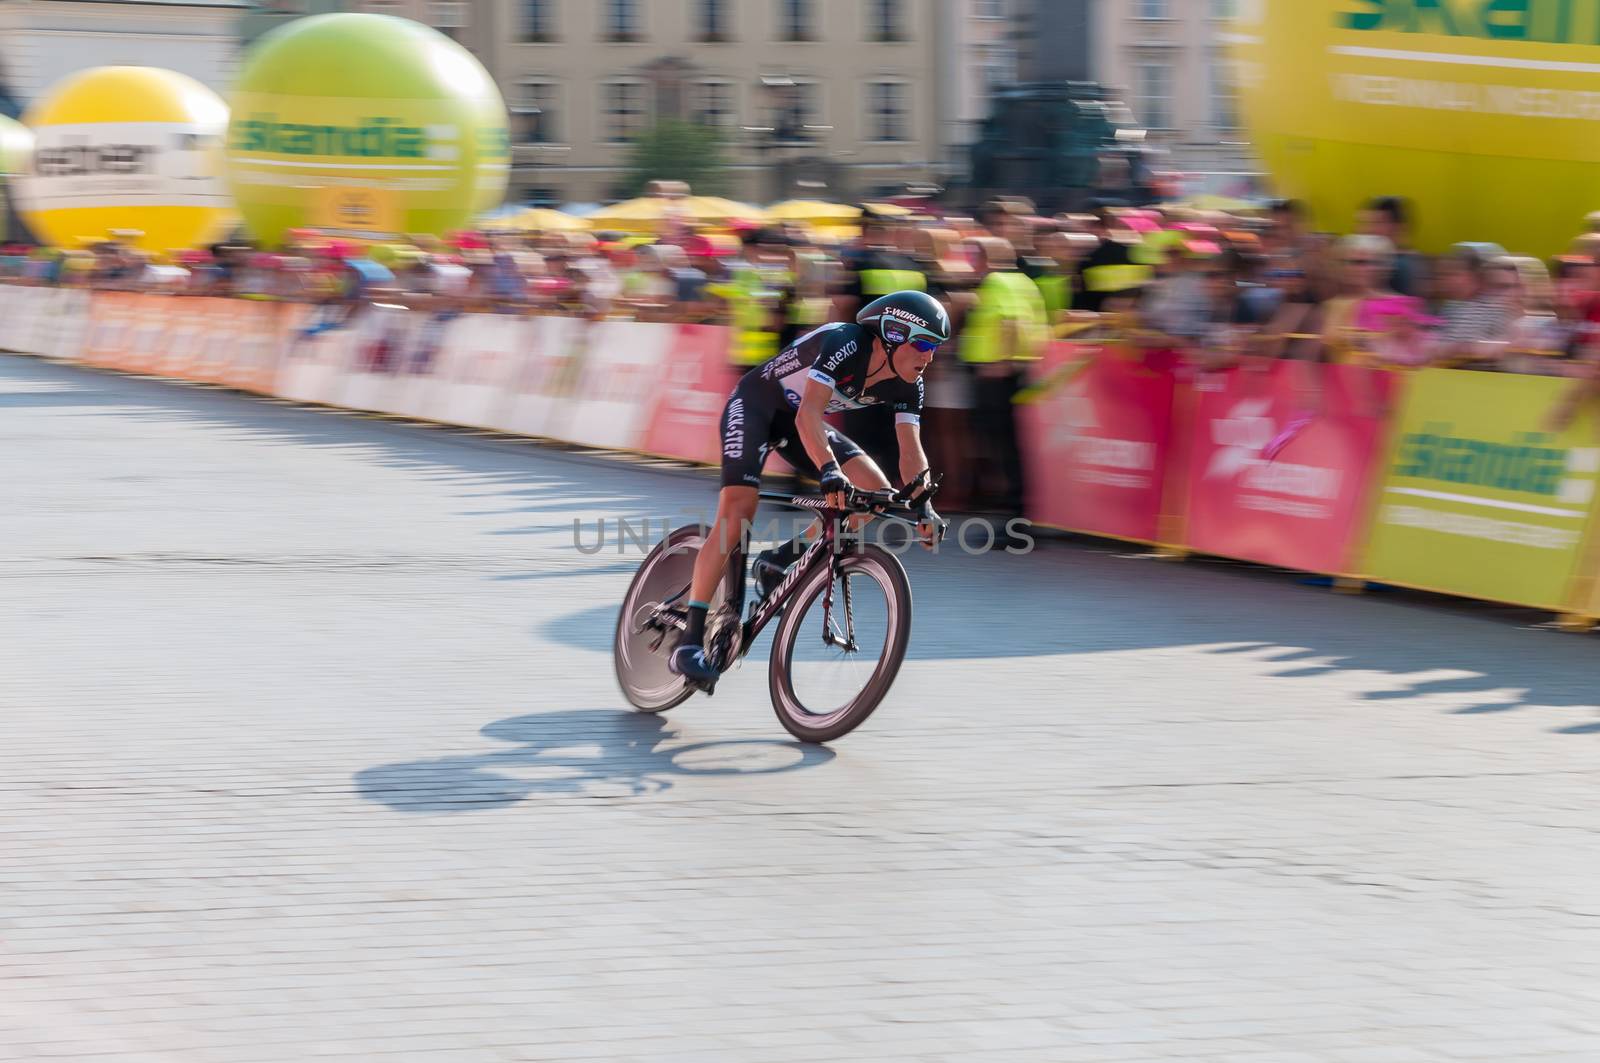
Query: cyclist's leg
736, 508
746, 423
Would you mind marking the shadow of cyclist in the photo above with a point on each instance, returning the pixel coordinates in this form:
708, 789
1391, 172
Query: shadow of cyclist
587, 754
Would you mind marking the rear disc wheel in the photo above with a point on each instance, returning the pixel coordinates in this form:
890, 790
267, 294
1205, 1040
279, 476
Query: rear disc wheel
641, 665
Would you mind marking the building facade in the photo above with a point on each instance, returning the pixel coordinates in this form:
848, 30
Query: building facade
979, 42
467, 22
1168, 60
42, 41
813, 98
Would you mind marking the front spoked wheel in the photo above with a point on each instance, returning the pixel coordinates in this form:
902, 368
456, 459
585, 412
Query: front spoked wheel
839, 645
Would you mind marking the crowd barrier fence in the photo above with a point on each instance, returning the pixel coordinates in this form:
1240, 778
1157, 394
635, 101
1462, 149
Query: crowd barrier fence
1439, 479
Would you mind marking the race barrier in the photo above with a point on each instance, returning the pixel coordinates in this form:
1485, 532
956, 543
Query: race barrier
1281, 460
1480, 498
232, 342
1442, 480
1098, 444
49, 322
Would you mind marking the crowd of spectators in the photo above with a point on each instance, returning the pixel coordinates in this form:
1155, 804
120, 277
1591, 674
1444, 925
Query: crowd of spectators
1211, 284
1206, 286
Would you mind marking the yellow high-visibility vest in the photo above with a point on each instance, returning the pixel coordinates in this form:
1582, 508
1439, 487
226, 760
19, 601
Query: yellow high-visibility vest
1121, 277
751, 300
876, 282
1005, 295
1057, 292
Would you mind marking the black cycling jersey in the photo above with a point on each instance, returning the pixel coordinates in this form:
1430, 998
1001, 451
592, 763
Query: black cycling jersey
838, 355
759, 416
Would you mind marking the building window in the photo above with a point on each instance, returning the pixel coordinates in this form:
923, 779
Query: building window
886, 110
999, 68
1224, 104
794, 20
1153, 9
991, 9
622, 21
448, 14
1224, 9
542, 197
799, 113
624, 107
541, 106
538, 21
714, 21
1154, 101
714, 106
886, 20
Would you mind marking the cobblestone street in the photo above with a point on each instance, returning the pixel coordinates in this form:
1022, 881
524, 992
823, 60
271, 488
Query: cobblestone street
310, 748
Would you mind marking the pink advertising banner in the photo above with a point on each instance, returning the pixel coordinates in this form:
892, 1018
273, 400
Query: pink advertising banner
1098, 442
694, 386
1281, 461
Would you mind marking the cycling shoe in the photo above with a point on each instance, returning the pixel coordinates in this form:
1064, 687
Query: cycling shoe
691, 663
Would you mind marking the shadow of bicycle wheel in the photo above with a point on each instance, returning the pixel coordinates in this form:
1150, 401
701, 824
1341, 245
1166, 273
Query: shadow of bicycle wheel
586, 754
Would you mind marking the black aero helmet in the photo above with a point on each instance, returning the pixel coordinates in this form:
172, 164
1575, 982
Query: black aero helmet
906, 317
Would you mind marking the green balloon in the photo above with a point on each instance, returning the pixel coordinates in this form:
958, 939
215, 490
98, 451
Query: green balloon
367, 125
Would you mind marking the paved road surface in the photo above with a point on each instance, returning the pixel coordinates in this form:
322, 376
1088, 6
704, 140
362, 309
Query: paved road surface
309, 748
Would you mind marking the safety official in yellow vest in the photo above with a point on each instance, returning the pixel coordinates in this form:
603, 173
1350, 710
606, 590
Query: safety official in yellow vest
1005, 332
754, 289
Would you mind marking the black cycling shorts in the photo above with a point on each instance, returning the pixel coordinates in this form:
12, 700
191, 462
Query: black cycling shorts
753, 426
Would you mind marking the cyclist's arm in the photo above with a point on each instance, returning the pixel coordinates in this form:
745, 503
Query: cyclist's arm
908, 432
913, 459
839, 351
809, 423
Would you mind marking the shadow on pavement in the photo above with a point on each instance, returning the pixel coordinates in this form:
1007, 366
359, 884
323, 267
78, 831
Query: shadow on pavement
598, 753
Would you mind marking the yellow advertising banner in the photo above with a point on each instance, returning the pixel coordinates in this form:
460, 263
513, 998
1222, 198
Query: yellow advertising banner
1480, 497
363, 212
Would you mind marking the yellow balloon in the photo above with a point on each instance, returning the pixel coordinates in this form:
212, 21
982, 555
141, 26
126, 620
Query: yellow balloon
127, 148
1483, 112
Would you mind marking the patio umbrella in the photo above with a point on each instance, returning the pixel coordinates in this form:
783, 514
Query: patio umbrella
546, 219
648, 213
814, 212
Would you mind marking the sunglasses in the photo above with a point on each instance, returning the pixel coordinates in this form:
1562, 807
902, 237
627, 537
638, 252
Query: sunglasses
925, 345
1363, 262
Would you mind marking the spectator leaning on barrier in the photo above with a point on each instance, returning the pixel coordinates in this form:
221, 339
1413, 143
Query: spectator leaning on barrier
1390, 218
1536, 335
1474, 311
1176, 311
1005, 333
1286, 234
1362, 268
1575, 279
1233, 317
1295, 314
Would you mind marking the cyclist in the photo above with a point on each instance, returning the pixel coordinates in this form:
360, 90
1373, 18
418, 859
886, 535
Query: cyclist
778, 406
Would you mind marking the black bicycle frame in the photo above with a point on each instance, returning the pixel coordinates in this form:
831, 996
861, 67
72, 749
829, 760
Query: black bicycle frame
751, 629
